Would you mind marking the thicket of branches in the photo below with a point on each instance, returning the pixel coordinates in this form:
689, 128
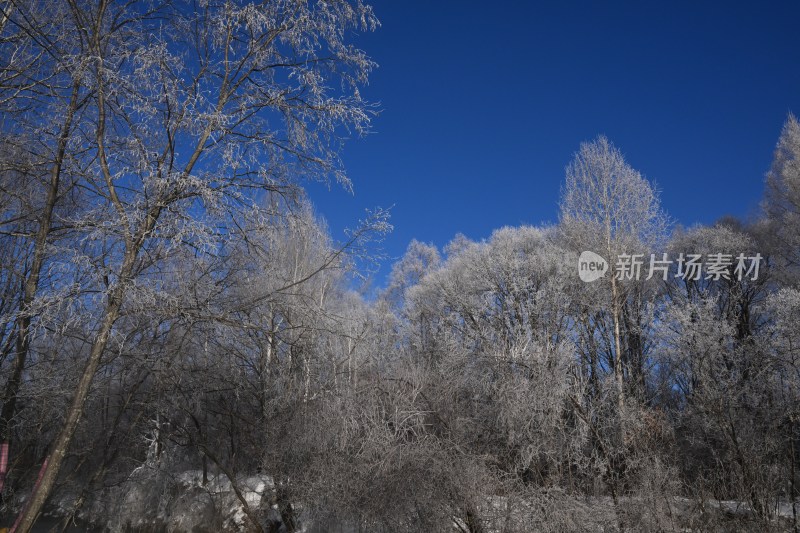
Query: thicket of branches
170, 303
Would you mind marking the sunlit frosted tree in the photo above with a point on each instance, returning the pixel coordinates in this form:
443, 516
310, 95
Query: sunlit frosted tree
609, 208
782, 197
189, 113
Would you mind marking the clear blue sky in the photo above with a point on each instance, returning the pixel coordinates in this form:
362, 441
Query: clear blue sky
484, 103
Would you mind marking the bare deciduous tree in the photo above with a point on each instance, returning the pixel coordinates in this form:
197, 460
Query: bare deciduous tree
608, 207
190, 111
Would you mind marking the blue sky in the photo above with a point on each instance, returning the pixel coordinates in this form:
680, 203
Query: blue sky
484, 104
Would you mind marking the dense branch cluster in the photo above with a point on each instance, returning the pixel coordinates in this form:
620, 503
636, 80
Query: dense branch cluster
179, 334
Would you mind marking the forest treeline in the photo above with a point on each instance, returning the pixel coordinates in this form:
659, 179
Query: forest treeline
171, 305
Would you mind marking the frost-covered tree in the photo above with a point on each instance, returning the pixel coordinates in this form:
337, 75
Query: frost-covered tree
190, 112
419, 259
782, 197
35, 172
609, 208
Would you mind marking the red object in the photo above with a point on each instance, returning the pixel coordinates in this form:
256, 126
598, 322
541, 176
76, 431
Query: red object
3, 464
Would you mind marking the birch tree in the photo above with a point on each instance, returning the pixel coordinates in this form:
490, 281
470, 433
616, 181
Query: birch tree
609, 208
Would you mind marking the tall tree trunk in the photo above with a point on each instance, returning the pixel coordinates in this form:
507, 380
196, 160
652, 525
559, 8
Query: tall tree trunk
618, 375
31, 286
53, 462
